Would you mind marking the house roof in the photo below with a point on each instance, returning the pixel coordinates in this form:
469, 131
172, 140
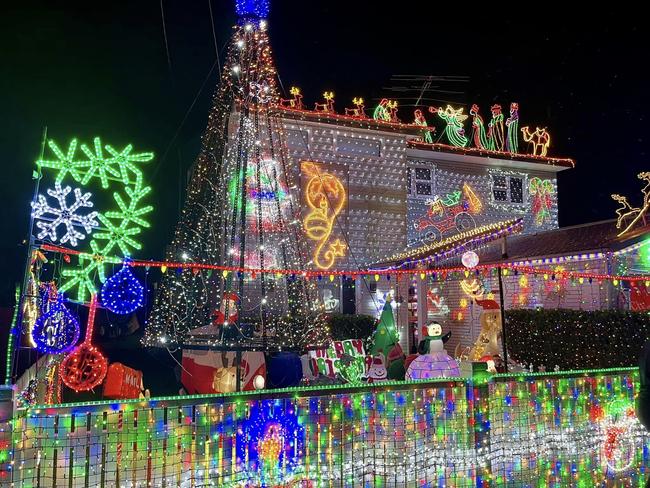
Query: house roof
591, 238
434, 252
347, 120
595, 238
502, 157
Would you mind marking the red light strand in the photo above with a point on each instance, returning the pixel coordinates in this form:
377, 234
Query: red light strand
370, 272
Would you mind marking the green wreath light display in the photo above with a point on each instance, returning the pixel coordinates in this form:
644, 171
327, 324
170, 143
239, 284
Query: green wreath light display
115, 236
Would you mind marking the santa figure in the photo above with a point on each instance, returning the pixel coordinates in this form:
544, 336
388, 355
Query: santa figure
228, 311
377, 369
228, 308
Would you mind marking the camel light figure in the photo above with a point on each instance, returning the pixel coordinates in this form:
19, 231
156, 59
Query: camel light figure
540, 139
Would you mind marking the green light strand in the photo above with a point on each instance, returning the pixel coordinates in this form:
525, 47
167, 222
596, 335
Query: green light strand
10, 340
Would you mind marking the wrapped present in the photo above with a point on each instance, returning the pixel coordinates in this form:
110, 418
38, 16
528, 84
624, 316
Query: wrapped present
122, 382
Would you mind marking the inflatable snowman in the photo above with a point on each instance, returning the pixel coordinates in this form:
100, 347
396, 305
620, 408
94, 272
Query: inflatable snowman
433, 361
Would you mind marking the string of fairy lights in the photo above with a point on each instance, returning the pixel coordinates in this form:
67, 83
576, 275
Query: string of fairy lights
571, 428
558, 428
377, 274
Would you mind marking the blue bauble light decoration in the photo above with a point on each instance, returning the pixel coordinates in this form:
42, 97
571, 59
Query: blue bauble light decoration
122, 293
253, 8
57, 330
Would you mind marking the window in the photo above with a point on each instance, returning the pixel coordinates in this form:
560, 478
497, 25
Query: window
508, 188
422, 174
420, 181
516, 190
500, 188
423, 189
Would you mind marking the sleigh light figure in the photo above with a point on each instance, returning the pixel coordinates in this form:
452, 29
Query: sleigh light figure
454, 211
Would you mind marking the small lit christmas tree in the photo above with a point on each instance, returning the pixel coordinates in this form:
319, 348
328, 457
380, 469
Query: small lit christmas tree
385, 337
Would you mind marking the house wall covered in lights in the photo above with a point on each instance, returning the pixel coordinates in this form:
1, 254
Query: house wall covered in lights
385, 191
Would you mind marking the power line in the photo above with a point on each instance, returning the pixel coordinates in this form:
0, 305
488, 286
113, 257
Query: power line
214, 35
162, 14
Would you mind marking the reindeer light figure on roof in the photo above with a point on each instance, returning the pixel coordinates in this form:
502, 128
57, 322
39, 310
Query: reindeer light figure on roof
328, 106
359, 110
295, 102
627, 213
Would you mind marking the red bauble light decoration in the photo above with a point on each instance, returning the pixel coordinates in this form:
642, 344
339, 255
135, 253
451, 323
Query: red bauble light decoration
85, 367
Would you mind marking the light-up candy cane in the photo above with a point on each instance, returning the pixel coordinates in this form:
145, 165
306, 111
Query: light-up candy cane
85, 367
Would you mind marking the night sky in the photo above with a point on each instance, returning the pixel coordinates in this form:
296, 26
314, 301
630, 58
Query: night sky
100, 68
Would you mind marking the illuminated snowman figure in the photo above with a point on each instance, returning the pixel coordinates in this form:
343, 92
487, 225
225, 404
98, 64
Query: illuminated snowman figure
433, 361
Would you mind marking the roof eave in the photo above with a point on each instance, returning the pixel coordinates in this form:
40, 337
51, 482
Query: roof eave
493, 158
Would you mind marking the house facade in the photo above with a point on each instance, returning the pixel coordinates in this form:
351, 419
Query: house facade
397, 192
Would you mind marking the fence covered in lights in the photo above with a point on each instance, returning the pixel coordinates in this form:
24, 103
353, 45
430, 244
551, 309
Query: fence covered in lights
545, 429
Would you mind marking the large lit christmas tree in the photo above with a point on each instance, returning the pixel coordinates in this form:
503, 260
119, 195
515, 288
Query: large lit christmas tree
241, 212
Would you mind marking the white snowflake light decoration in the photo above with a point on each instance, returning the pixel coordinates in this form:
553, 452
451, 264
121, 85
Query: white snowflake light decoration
51, 217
